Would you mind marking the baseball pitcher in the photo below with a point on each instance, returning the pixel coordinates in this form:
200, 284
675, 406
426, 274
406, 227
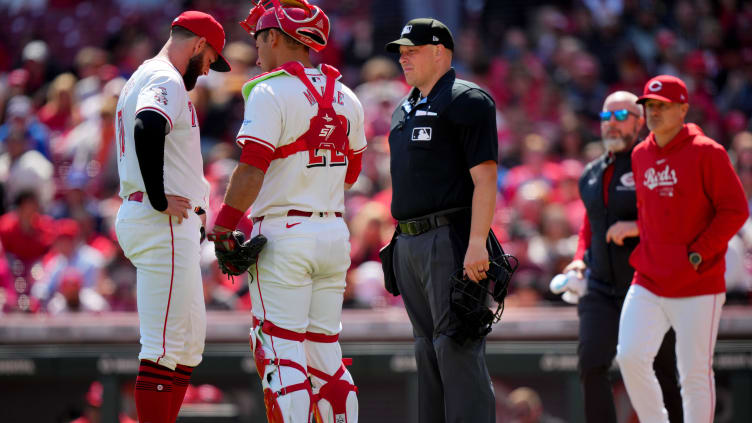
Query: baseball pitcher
164, 193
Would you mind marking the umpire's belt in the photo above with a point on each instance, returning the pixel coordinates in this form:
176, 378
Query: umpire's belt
424, 224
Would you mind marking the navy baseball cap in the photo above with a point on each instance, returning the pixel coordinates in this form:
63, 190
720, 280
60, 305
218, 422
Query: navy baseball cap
422, 31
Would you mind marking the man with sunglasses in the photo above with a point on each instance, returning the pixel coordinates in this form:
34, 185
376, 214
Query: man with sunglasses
607, 238
690, 204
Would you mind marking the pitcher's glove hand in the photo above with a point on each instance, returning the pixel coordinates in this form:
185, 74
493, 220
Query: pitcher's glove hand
234, 254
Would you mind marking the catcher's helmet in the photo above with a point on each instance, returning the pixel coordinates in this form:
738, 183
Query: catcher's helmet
304, 22
480, 305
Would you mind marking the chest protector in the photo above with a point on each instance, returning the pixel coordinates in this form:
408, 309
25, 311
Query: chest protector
327, 130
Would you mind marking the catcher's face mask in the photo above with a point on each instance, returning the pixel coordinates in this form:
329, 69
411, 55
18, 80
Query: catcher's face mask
480, 305
300, 20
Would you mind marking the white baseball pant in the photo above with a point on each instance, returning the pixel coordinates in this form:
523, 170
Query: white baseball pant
645, 319
170, 295
299, 282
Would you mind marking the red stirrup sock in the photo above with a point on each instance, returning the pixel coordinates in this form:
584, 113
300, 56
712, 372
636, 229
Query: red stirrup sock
153, 392
180, 380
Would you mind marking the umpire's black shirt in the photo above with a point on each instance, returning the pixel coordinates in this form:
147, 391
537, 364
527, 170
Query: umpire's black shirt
608, 263
434, 141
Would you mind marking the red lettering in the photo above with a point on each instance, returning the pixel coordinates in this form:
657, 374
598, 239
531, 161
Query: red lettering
317, 158
340, 98
310, 97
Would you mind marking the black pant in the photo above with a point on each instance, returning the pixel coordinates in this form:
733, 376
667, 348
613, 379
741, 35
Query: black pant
599, 330
453, 380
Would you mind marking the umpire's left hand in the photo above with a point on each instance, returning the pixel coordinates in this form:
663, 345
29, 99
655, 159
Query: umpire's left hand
476, 261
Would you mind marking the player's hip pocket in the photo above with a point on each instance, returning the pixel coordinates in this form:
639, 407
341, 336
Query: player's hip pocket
664, 262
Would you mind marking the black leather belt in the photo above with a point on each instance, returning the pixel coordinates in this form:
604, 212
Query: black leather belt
422, 225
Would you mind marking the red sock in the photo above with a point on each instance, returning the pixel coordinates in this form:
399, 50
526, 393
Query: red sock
180, 380
153, 392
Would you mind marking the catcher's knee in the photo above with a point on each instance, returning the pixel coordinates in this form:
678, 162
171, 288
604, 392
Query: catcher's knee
287, 391
334, 393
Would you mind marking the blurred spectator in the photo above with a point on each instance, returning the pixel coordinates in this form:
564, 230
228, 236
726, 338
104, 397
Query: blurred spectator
551, 249
365, 288
69, 256
22, 168
536, 166
20, 120
35, 57
225, 103
26, 234
526, 407
93, 404
370, 229
72, 297
59, 113
379, 93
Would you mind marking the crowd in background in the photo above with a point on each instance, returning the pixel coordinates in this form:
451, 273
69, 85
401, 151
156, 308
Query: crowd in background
548, 67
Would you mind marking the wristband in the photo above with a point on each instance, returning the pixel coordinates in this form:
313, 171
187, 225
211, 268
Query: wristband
228, 217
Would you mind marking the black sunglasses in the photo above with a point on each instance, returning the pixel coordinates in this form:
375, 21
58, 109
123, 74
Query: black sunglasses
621, 115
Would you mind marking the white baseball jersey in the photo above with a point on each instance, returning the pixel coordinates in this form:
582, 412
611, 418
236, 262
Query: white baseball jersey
278, 111
157, 85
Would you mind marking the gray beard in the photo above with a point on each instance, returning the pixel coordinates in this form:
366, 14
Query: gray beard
614, 144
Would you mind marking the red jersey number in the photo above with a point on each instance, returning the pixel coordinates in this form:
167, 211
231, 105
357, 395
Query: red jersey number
318, 158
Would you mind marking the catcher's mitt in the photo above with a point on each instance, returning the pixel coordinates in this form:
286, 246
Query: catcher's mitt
234, 254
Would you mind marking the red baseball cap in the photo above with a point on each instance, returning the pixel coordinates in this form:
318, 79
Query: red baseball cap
204, 25
665, 88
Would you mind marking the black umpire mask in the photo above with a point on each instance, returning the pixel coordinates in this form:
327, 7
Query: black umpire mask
193, 71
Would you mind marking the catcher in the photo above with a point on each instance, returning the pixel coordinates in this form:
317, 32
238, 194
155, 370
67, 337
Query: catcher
302, 139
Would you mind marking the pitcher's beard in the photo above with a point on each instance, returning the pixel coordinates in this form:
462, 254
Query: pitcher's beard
193, 71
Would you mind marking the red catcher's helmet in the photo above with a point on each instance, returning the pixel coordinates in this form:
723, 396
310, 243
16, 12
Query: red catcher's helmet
302, 21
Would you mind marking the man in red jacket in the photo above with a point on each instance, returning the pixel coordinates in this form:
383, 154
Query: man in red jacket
690, 203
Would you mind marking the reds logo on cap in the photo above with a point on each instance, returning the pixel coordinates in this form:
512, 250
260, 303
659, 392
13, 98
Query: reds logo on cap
655, 86
665, 88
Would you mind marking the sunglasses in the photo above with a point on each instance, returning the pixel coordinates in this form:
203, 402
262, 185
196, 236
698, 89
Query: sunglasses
621, 115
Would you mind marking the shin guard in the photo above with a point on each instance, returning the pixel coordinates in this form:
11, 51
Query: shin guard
269, 343
334, 392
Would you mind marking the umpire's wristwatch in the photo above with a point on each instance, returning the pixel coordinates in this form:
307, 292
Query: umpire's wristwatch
695, 258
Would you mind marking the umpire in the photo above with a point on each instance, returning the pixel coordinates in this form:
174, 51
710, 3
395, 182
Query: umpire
443, 145
608, 236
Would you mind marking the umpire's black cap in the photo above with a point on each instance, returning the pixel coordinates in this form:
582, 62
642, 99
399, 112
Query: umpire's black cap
422, 31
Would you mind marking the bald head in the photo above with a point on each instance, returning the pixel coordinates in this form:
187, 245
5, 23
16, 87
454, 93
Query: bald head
624, 100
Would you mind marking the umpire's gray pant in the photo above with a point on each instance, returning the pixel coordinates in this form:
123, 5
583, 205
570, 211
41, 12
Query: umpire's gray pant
453, 381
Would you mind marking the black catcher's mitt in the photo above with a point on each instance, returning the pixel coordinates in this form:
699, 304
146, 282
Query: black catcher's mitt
234, 254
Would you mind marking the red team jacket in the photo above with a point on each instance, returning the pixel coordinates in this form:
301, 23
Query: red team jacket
688, 199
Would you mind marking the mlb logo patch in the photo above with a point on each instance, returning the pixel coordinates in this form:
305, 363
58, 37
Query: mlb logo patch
421, 134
